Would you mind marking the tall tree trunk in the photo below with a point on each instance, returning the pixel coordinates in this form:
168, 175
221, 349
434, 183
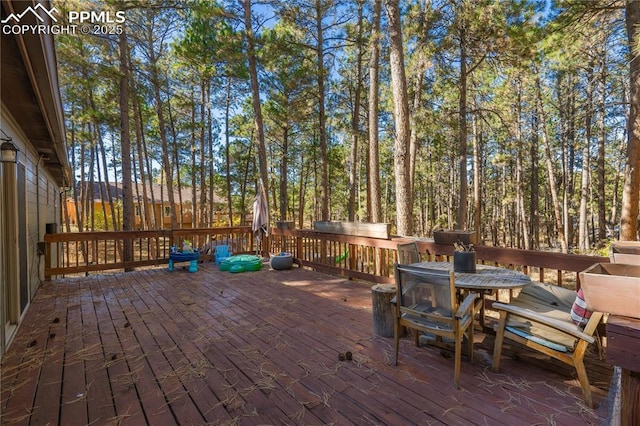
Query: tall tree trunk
157, 217
194, 167
125, 141
373, 188
550, 170
534, 208
631, 188
143, 155
305, 171
162, 128
203, 127
284, 171
162, 206
244, 183
148, 211
583, 234
176, 163
602, 141
116, 173
227, 147
477, 176
569, 158
522, 215
92, 184
401, 117
136, 190
461, 218
84, 190
355, 121
255, 95
210, 161
103, 192
324, 156
418, 79
74, 167
422, 64
616, 186
103, 158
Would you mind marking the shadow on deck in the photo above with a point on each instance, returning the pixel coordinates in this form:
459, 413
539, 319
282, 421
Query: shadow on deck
157, 347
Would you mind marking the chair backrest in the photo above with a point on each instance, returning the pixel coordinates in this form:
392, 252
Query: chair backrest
430, 291
222, 251
408, 253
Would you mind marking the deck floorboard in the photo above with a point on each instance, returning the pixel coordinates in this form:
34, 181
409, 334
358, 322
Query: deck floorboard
158, 347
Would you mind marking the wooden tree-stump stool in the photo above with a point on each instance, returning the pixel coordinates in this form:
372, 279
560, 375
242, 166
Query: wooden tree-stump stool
383, 320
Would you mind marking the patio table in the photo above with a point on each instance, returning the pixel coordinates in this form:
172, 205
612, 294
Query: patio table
487, 280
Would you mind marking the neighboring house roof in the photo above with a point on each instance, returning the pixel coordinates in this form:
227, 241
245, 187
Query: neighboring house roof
159, 192
30, 89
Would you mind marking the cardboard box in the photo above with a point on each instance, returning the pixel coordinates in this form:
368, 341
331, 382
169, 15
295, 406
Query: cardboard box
612, 288
625, 252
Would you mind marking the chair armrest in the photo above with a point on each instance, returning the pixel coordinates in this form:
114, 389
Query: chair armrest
466, 305
542, 319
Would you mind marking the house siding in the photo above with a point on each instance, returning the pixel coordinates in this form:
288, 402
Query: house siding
42, 207
31, 118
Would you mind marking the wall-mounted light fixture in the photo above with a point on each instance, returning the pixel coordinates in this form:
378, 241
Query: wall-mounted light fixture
8, 152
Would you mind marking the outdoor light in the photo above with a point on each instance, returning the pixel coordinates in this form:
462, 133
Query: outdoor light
8, 152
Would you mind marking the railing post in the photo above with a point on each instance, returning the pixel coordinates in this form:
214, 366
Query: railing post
47, 260
299, 249
384, 264
323, 250
266, 244
352, 258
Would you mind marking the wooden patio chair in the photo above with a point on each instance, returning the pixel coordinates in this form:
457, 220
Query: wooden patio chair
540, 319
408, 253
426, 302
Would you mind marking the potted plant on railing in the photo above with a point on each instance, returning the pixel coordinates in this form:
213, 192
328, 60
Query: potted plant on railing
464, 257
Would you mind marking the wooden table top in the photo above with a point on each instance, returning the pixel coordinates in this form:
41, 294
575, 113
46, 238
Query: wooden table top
485, 278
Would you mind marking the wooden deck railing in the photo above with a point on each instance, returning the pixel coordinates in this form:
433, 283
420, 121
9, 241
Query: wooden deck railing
84, 252
363, 258
372, 259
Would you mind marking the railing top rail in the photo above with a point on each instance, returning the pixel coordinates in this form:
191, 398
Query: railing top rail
349, 239
105, 235
149, 233
535, 258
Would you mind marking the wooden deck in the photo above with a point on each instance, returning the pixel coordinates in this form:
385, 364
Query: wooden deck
158, 347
